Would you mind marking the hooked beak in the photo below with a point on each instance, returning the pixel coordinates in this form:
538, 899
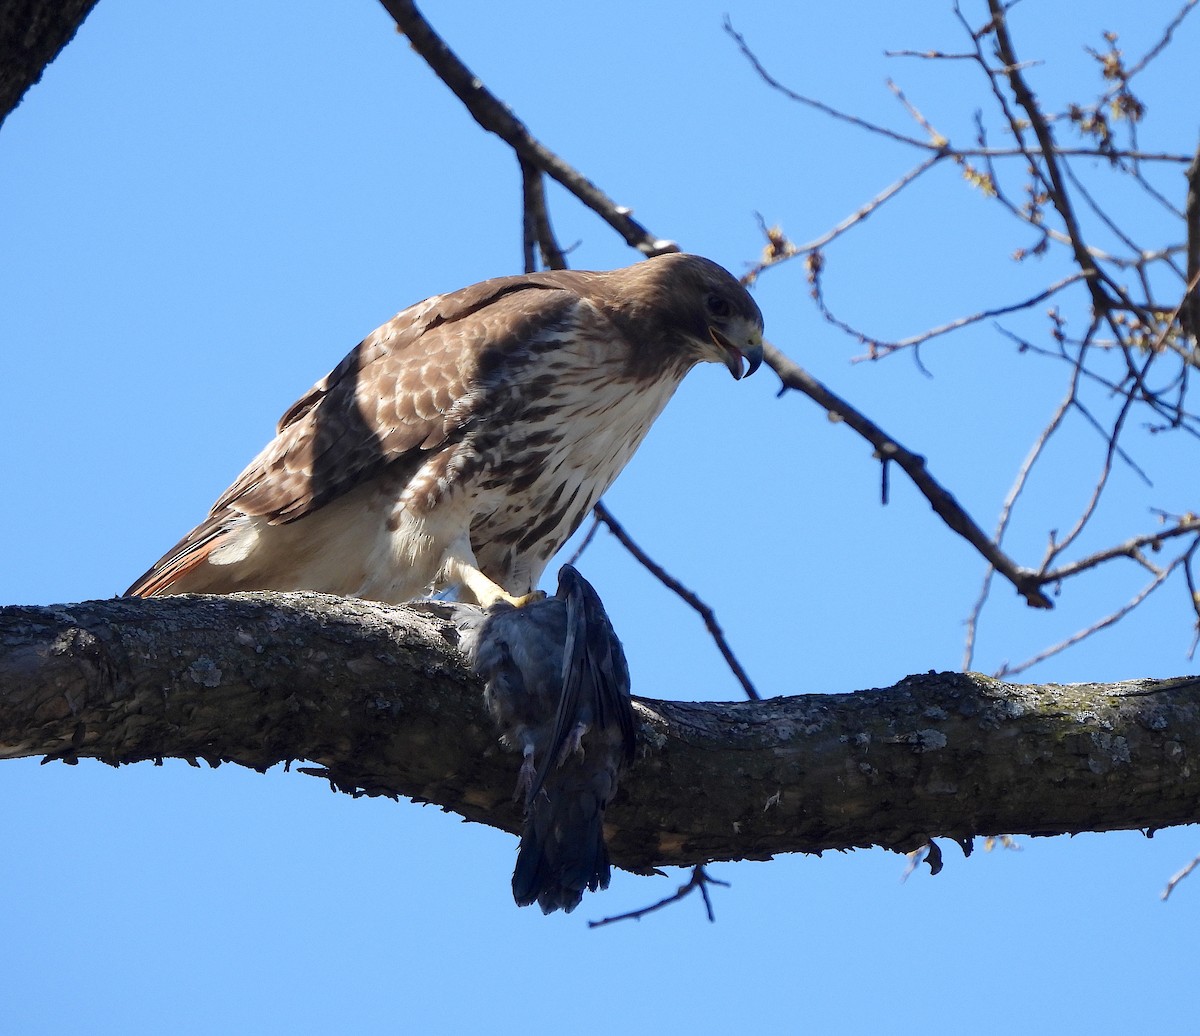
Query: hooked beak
751, 352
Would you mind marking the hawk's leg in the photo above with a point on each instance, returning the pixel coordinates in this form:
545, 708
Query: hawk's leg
460, 566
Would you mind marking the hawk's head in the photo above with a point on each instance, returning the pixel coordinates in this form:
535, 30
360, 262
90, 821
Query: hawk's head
701, 311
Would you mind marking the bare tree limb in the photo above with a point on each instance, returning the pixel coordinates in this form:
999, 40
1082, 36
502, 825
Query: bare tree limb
605, 517
1191, 311
537, 232
32, 34
698, 882
888, 450
1160, 577
1186, 525
1159, 46
1178, 877
880, 348
496, 117
782, 250
379, 699
1048, 152
932, 144
1006, 509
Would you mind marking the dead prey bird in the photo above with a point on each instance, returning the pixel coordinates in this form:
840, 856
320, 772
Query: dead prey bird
557, 685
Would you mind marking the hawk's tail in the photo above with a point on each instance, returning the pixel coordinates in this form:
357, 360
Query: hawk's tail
182, 559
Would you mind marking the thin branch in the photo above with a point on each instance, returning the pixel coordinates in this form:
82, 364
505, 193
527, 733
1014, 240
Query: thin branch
1006, 670
1178, 877
706, 613
1129, 549
1189, 578
1057, 546
917, 142
536, 222
1027, 346
1191, 313
1189, 293
881, 349
917, 115
1006, 509
888, 450
1099, 212
810, 102
1094, 423
699, 881
587, 539
1059, 196
1161, 45
495, 117
775, 257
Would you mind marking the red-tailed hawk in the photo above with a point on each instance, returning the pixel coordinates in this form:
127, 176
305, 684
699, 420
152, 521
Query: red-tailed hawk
462, 442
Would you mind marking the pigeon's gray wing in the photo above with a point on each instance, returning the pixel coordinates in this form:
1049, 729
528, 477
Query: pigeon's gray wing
595, 676
562, 849
557, 685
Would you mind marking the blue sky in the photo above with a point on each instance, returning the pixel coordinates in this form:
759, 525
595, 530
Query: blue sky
207, 206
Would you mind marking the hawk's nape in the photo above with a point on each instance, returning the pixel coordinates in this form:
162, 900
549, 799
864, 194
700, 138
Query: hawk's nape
557, 685
461, 443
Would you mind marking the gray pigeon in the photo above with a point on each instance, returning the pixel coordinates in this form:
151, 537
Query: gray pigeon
558, 688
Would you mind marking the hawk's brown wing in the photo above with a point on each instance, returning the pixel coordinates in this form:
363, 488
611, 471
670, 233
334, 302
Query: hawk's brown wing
411, 386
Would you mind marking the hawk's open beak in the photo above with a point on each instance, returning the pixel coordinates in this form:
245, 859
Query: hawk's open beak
752, 353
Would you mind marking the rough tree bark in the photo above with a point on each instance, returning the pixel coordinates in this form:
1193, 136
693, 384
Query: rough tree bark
383, 703
32, 33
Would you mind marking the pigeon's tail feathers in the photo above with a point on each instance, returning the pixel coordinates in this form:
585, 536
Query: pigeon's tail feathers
562, 852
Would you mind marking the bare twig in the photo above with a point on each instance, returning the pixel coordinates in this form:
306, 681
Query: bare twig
587, 539
775, 257
810, 102
1114, 617
1178, 877
706, 613
1161, 45
537, 231
700, 880
495, 117
917, 142
1191, 312
1187, 525
1189, 578
1006, 509
888, 450
880, 349
1059, 196
1056, 545
1111, 386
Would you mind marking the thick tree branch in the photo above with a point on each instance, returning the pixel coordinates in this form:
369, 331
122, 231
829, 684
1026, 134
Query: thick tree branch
32, 34
383, 703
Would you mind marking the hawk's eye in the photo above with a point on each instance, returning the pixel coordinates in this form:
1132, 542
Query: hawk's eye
718, 306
